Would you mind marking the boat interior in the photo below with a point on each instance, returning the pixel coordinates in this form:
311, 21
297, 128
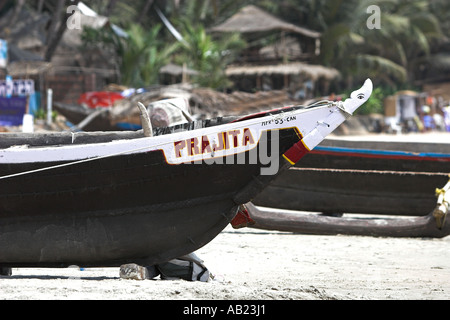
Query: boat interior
44, 139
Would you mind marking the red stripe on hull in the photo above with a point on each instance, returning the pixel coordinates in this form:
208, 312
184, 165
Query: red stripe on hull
296, 152
363, 155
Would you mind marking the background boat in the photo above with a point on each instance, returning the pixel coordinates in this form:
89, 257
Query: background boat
364, 175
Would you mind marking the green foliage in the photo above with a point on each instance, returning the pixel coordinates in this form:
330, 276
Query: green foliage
409, 41
374, 104
145, 53
208, 56
138, 57
107, 41
391, 53
41, 114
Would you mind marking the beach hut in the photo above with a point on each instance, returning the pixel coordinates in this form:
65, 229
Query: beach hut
285, 64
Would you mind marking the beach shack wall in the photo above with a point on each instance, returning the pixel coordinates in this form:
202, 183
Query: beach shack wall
404, 108
75, 69
440, 90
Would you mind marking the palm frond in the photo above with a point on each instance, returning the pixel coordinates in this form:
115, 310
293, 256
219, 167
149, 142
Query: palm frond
378, 64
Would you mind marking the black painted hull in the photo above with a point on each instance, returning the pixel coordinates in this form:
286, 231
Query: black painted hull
384, 178
150, 199
353, 191
121, 209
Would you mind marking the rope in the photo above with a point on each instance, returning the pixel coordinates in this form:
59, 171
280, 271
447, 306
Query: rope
70, 163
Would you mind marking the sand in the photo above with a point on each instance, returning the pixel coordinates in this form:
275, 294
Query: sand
253, 264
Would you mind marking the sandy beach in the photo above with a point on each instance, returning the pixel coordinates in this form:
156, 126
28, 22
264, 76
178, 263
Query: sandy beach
251, 264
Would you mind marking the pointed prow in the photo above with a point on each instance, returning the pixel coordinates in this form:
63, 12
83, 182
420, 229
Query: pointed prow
358, 97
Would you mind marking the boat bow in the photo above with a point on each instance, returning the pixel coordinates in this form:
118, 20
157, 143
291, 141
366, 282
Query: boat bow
358, 97
338, 113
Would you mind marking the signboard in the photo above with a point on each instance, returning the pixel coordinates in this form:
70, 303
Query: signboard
13, 100
12, 110
16, 87
3, 53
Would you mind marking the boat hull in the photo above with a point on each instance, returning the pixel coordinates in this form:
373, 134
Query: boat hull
144, 235
151, 199
379, 155
353, 191
127, 208
341, 176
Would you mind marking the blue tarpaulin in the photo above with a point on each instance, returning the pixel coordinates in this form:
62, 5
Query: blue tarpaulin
12, 110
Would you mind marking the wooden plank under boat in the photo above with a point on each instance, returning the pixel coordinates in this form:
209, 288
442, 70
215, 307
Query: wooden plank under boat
362, 176
106, 199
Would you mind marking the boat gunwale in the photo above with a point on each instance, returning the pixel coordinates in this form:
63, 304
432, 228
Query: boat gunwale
156, 142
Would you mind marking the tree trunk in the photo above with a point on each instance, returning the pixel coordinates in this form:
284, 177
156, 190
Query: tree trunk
55, 37
147, 6
17, 9
110, 7
56, 18
40, 6
2, 3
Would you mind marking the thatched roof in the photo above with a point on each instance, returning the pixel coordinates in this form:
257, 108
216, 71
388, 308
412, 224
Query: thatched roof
251, 19
213, 102
313, 71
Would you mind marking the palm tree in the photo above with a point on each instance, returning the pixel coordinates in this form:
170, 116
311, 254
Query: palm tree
208, 56
391, 53
55, 33
144, 54
138, 57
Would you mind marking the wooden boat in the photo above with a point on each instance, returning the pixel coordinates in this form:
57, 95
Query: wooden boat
362, 176
380, 153
162, 114
106, 199
432, 225
86, 119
